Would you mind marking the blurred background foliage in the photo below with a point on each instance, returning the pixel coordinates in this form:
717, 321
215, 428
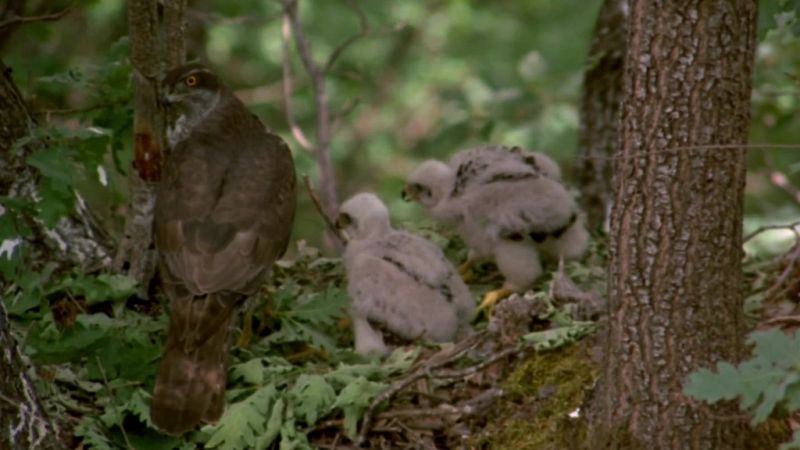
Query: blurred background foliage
427, 78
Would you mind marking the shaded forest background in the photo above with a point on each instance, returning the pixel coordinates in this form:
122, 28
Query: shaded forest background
406, 81
423, 79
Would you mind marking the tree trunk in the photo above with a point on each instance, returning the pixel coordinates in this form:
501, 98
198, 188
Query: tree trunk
23, 422
75, 241
675, 298
599, 110
157, 44
71, 243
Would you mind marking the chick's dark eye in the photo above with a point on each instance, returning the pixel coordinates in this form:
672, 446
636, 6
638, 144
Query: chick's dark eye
191, 80
421, 190
344, 220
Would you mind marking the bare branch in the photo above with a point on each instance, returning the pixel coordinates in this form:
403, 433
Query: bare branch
18, 20
325, 217
297, 132
364, 31
317, 76
759, 230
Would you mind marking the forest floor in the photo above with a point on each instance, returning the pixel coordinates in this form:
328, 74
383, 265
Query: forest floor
519, 382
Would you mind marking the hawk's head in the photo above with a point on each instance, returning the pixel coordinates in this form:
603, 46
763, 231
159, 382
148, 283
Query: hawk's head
189, 93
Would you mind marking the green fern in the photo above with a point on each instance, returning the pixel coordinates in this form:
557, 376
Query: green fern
244, 422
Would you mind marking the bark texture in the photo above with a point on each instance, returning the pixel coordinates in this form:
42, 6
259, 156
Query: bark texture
156, 44
599, 110
23, 422
675, 298
75, 241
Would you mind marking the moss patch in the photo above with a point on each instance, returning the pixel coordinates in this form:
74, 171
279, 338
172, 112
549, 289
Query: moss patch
540, 394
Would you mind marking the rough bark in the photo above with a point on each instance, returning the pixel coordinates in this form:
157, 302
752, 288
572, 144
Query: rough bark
72, 243
23, 421
156, 44
599, 110
75, 241
675, 298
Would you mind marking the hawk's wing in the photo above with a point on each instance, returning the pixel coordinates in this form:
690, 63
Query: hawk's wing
225, 210
224, 214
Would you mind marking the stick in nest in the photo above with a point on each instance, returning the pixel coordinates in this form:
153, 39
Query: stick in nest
422, 369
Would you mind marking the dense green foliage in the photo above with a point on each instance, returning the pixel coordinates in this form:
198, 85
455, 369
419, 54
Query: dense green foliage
427, 78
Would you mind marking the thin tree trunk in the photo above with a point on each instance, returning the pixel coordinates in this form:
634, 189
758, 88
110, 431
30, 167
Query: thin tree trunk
600, 104
157, 44
675, 298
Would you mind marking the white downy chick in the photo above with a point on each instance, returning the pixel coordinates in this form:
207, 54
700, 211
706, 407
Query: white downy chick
398, 282
507, 204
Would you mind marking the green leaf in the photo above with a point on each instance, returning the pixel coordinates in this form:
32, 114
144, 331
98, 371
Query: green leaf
354, 399
713, 387
92, 434
260, 370
312, 397
322, 309
273, 425
559, 337
72, 345
243, 421
771, 378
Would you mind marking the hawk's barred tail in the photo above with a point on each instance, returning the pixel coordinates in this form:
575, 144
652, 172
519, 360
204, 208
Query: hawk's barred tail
190, 383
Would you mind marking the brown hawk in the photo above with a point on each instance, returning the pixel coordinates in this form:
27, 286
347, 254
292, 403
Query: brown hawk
223, 215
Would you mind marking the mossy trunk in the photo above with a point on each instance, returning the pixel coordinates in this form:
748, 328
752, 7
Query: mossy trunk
675, 251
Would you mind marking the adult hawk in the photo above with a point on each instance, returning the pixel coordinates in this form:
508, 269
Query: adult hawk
224, 213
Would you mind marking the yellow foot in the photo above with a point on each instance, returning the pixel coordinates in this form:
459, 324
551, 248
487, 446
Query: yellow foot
247, 330
490, 299
307, 353
465, 271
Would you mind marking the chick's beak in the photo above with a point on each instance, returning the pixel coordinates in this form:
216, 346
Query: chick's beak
408, 194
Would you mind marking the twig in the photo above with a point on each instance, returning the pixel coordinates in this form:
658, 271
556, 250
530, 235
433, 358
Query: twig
219, 19
16, 20
462, 373
10, 401
297, 132
759, 230
113, 402
793, 257
317, 76
422, 369
328, 221
364, 31
783, 320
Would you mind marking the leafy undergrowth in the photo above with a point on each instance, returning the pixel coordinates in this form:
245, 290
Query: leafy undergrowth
295, 381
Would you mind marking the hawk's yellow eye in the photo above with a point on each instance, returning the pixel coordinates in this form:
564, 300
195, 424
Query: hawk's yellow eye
191, 80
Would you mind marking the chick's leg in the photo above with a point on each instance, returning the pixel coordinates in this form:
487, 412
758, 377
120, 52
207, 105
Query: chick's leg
465, 269
519, 263
367, 339
491, 298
